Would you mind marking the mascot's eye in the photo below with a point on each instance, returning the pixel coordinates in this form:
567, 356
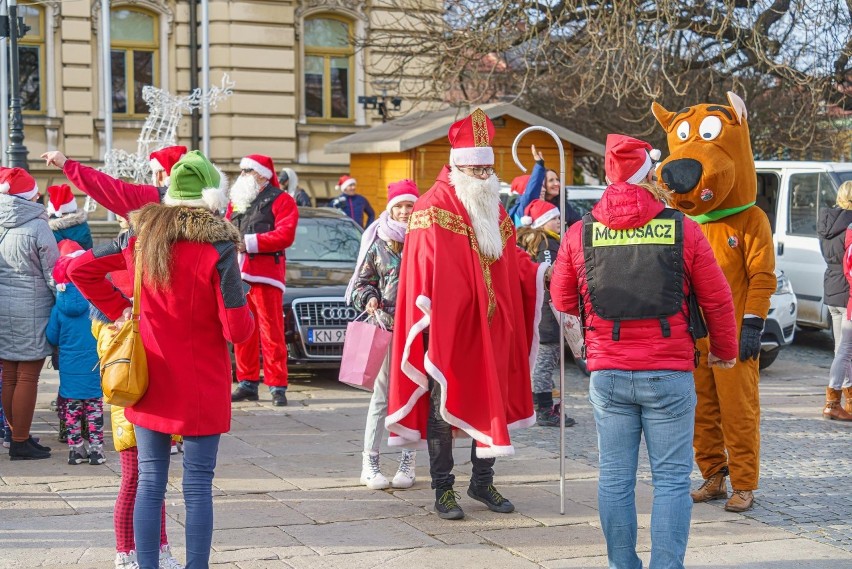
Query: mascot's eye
710, 128
683, 130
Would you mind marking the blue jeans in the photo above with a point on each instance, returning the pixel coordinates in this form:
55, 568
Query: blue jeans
660, 404
199, 461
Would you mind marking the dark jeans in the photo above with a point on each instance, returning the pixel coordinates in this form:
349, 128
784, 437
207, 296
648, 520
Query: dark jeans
440, 438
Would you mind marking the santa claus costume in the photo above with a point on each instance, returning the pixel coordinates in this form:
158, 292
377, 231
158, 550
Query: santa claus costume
266, 217
467, 317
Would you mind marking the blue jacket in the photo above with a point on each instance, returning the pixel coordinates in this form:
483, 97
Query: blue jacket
355, 207
533, 192
70, 329
74, 227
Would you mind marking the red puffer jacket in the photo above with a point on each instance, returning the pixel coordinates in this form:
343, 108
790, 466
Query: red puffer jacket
642, 345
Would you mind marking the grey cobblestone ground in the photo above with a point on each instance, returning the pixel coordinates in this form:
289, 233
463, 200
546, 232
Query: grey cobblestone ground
805, 461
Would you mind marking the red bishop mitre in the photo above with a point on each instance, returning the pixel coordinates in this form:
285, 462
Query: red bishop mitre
470, 139
17, 182
262, 165
628, 159
164, 159
61, 200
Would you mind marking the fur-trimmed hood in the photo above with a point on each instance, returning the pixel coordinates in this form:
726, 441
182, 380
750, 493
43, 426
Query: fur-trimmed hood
68, 220
180, 223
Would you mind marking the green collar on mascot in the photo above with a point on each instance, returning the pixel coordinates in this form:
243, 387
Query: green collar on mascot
719, 213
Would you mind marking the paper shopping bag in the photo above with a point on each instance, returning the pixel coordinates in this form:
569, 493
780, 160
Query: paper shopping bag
364, 351
573, 331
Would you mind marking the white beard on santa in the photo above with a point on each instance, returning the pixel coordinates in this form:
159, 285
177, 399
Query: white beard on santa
244, 192
481, 199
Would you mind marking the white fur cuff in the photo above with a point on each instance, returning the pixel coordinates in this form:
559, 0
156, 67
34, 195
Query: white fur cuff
475, 156
251, 243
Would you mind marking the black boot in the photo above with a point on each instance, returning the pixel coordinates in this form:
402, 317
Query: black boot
446, 504
35, 443
245, 391
26, 451
489, 496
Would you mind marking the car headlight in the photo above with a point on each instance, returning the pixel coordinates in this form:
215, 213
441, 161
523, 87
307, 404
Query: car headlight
783, 286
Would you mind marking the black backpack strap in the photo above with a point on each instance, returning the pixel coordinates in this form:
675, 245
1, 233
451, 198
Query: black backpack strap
616, 330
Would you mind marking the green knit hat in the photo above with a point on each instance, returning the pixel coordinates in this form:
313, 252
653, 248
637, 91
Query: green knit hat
196, 182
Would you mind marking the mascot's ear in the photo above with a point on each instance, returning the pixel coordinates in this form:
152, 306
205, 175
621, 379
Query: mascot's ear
663, 116
739, 106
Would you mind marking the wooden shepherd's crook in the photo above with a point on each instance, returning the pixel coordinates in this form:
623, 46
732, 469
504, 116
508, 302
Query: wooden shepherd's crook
561, 316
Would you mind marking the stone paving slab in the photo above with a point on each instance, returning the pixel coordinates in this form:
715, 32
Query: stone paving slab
326, 506
353, 537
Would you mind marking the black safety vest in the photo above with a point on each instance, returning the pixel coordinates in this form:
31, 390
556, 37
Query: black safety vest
258, 218
636, 273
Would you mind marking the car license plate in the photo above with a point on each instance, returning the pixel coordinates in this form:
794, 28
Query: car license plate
326, 335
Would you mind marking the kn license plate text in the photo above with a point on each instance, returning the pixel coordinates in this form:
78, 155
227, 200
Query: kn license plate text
326, 335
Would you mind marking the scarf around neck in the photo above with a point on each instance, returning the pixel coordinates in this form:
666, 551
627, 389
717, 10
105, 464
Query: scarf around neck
384, 228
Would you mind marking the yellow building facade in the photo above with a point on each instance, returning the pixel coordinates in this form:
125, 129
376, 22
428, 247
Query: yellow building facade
299, 67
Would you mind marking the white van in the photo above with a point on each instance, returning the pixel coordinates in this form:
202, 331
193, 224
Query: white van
792, 194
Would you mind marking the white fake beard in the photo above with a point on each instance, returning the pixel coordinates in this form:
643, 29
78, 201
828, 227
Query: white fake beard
244, 192
481, 199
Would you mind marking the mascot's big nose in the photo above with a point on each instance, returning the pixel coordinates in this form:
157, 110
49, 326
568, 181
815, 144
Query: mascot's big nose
681, 176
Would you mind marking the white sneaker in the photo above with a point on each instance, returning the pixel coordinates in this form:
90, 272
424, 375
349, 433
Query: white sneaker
126, 560
405, 475
166, 559
371, 476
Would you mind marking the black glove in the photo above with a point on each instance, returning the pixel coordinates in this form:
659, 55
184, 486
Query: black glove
750, 335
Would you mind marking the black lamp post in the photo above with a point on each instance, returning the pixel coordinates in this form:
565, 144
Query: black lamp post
16, 151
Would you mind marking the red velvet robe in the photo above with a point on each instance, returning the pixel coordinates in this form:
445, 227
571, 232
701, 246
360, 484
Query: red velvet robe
481, 317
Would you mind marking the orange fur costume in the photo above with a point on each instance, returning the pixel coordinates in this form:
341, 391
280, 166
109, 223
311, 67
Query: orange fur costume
710, 169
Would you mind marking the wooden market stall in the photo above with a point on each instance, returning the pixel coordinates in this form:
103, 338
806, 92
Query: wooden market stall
415, 146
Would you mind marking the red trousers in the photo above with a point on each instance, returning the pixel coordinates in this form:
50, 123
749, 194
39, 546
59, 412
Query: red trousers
266, 304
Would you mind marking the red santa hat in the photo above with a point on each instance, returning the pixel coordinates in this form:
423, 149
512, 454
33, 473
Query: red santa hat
262, 165
519, 184
17, 182
539, 212
61, 200
164, 159
402, 191
628, 159
470, 139
344, 182
68, 250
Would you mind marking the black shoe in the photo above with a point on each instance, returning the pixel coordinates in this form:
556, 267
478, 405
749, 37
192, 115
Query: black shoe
550, 417
489, 496
279, 398
447, 505
96, 458
34, 442
26, 451
76, 456
241, 394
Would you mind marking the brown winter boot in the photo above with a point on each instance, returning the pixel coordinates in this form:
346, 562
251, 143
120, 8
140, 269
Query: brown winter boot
712, 489
833, 410
741, 500
847, 395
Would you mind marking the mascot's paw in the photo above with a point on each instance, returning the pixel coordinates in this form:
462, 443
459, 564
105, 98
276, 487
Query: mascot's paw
750, 335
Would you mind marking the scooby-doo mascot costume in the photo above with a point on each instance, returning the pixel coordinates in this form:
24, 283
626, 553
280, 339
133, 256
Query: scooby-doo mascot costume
710, 170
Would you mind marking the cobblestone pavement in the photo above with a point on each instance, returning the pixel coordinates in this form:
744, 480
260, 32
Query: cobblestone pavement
287, 495
805, 461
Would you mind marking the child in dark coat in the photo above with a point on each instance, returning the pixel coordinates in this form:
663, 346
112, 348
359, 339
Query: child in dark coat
69, 329
66, 221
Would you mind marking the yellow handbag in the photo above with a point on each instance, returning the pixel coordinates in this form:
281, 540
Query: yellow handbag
124, 365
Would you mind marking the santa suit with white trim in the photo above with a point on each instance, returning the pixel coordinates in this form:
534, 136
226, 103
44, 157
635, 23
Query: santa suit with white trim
468, 310
268, 225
